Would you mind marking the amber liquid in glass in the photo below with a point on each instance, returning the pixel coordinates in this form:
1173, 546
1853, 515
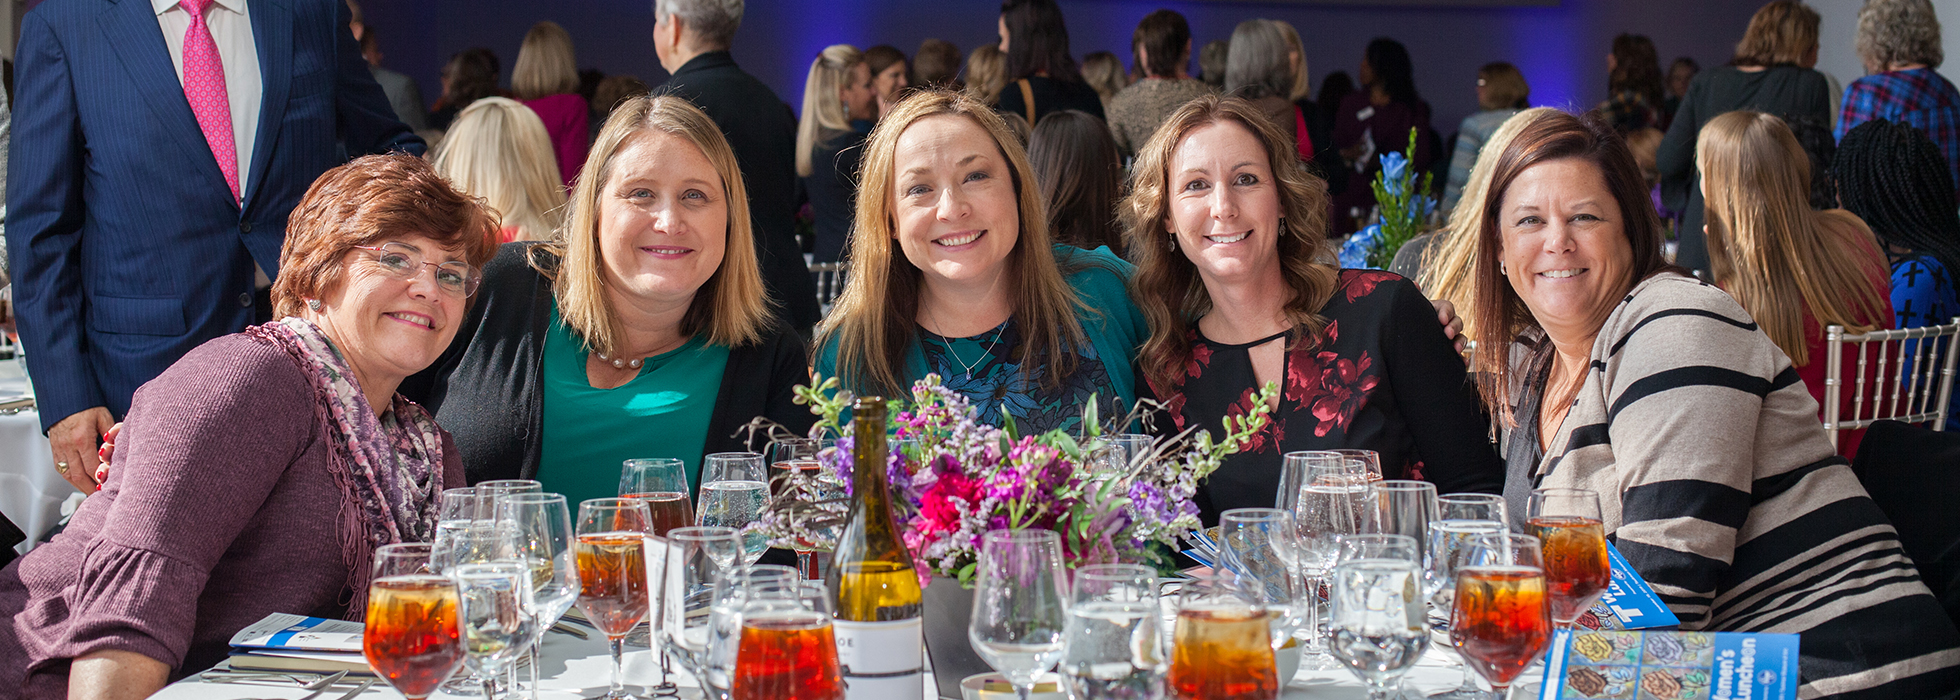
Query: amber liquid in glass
787, 656
1502, 621
670, 510
1576, 567
612, 573
1223, 653
411, 638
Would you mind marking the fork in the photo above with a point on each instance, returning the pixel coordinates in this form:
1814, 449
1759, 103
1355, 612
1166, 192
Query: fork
318, 687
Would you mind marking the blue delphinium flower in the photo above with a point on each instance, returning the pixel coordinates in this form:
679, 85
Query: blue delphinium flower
1393, 165
1354, 253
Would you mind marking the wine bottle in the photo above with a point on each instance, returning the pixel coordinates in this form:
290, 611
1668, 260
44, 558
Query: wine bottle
877, 600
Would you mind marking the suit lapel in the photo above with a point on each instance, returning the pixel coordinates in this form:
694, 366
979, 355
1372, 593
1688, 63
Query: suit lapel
131, 27
272, 32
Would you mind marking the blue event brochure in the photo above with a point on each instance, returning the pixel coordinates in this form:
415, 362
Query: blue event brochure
1671, 665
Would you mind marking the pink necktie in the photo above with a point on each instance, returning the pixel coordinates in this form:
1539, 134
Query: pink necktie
204, 86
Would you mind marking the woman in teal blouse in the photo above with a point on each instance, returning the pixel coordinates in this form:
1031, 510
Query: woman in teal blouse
953, 273
642, 330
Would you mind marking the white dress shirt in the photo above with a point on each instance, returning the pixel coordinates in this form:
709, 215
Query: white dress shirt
231, 28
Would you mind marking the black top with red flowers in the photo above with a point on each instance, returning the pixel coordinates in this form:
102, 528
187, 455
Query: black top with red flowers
1380, 377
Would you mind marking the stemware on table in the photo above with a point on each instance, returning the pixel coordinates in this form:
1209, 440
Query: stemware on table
661, 483
1259, 545
1461, 519
786, 650
1114, 648
725, 620
411, 637
734, 492
543, 526
798, 457
1222, 642
1501, 620
1405, 507
1570, 531
1020, 605
611, 550
1377, 618
494, 616
1332, 501
698, 558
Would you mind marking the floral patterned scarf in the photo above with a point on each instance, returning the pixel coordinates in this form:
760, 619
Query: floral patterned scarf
388, 467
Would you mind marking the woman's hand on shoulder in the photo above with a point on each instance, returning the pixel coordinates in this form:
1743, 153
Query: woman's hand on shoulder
108, 451
1452, 324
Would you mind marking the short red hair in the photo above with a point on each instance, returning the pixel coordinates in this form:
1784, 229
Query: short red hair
369, 201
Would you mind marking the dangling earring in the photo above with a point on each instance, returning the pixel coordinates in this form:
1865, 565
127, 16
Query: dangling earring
313, 304
1170, 243
1282, 227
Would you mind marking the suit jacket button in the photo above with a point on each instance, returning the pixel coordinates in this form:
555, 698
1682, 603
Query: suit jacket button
245, 299
244, 227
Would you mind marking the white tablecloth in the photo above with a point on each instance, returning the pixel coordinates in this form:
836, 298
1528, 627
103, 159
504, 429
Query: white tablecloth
31, 491
575, 668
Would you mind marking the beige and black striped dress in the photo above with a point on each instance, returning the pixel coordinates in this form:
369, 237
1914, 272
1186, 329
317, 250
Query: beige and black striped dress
1717, 483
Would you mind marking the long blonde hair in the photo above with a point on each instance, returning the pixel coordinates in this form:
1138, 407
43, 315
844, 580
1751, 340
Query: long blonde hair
1448, 263
498, 150
824, 114
1166, 285
873, 323
1766, 247
732, 307
546, 64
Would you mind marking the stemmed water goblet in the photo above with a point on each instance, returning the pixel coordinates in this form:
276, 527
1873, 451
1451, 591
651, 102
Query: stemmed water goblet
1020, 605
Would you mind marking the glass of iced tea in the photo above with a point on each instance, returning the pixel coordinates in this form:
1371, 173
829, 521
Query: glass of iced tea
786, 650
1221, 646
1501, 621
662, 484
612, 572
411, 638
1569, 529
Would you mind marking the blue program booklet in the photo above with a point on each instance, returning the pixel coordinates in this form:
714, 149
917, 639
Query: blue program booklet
1654, 665
1629, 603
283, 632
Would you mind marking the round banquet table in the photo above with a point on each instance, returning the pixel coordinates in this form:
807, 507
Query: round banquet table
580, 668
31, 491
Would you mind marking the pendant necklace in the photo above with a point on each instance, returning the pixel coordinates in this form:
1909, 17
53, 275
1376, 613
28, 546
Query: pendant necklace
965, 367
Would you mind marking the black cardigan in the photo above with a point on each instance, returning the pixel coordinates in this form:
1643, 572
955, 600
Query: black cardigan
486, 389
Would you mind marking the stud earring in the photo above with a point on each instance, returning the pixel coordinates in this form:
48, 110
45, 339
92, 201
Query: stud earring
1500, 268
313, 304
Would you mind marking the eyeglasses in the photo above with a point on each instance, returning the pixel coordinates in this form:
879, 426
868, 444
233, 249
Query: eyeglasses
402, 261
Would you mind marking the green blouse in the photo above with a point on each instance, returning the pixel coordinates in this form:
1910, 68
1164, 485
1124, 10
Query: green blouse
589, 432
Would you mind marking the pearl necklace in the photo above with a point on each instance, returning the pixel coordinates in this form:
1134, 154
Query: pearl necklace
618, 363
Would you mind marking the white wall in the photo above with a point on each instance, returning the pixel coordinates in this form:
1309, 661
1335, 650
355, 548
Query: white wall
1837, 55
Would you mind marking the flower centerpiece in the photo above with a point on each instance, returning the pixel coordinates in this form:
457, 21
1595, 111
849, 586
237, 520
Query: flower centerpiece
953, 479
1403, 207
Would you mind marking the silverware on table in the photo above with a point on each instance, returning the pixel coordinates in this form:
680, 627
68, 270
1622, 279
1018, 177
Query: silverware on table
318, 687
356, 692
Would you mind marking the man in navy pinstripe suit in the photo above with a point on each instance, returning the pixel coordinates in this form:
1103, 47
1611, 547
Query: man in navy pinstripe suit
159, 146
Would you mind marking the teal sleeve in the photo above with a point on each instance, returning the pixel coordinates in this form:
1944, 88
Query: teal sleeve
1116, 327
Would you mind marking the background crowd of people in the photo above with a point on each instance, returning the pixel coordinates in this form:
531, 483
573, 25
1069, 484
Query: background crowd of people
248, 299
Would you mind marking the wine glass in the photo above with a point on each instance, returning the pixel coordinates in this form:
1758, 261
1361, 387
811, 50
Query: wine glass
463, 503
662, 484
734, 492
1376, 619
786, 649
1474, 506
1370, 462
1379, 546
1573, 538
1259, 545
501, 488
811, 473
1222, 643
725, 620
1501, 620
494, 598
1114, 643
543, 525
1405, 507
1448, 549
410, 637
1325, 509
1293, 473
697, 559
612, 572
1020, 607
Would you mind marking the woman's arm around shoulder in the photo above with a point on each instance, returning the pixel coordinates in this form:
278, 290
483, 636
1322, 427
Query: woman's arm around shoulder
1441, 409
789, 366
506, 278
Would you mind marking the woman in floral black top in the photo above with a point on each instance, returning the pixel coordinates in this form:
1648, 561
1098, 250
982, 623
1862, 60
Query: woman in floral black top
1230, 243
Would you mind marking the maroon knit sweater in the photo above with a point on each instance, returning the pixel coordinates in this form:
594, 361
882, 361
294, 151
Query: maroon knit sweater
219, 511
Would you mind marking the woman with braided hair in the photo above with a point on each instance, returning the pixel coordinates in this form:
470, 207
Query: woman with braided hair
1896, 179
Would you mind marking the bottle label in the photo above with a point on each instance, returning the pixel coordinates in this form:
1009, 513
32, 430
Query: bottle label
881, 660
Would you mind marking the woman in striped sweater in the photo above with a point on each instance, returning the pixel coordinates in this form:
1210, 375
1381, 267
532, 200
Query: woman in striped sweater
1661, 394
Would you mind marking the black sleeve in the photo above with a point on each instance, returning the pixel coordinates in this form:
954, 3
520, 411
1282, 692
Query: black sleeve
1452, 435
789, 367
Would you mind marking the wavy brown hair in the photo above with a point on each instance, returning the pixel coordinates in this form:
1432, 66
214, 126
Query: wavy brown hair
1781, 33
1500, 313
874, 321
1166, 284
